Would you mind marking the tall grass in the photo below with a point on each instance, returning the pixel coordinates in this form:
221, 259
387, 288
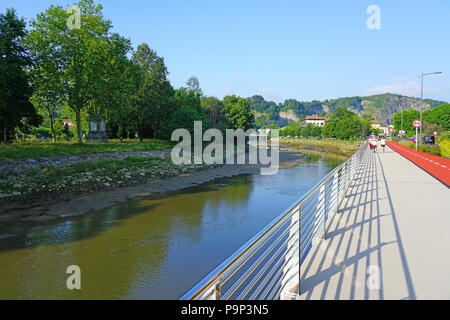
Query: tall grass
41, 149
339, 147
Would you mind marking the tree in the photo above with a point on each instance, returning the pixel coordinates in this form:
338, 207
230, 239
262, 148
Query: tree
439, 115
345, 125
154, 100
238, 112
194, 84
293, 128
120, 112
47, 87
187, 109
79, 57
15, 90
214, 113
409, 116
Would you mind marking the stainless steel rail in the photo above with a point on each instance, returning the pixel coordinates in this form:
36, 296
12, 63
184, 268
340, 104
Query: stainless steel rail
268, 265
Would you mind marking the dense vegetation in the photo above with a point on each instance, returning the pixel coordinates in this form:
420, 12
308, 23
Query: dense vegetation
437, 119
55, 71
343, 124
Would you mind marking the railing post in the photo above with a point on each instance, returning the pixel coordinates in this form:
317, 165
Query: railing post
334, 191
322, 197
299, 248
217, 291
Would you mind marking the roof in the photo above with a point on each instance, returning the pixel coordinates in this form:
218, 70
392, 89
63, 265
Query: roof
314, 117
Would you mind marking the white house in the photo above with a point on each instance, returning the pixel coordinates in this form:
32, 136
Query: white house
316, 120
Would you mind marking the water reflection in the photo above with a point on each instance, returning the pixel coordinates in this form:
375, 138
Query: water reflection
154, 248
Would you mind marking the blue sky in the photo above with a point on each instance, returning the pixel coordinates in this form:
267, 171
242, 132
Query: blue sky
287, 49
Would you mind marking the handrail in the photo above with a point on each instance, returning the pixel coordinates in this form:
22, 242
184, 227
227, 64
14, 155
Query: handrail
278, 250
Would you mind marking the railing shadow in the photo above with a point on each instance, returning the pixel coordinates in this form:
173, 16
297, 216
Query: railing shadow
354, 240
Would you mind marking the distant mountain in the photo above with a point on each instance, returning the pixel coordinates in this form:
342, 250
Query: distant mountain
381, 107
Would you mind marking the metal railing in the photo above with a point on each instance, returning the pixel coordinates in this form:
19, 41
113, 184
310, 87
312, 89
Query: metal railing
267, 266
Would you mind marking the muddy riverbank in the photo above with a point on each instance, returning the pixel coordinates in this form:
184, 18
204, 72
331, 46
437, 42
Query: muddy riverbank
45, 209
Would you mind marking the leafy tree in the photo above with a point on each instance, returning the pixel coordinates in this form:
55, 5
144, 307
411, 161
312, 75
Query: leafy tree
238, 112
47, 87
439, 115
292, 129
214, 113
194, 84
122, 92
187, 110
154, 101
344, 124
15, 90
342, 113
409, 116
81, 56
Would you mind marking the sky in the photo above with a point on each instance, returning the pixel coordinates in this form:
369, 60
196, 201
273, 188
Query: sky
283, 49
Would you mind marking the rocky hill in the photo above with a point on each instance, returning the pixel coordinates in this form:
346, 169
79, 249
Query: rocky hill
380, 107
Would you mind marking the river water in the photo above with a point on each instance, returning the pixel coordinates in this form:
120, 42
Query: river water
157, 247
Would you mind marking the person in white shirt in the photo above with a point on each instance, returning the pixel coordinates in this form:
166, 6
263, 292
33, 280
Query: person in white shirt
374, 144
383, 144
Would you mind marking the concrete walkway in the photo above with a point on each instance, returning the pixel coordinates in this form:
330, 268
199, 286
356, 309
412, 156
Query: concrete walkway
393, 226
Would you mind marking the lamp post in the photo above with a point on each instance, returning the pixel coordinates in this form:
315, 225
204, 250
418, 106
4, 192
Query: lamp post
403, 107
421, 98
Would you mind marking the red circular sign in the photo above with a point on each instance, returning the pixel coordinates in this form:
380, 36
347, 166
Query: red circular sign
416, 123
391, 129
435, 133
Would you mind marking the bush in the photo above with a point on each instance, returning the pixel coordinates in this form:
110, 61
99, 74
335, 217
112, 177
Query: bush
445, 148
434, 150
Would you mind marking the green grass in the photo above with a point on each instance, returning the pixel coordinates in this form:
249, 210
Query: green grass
37, 149
339, 147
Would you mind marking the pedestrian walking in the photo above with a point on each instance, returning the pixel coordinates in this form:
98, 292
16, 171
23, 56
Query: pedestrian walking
374, 144
383, 144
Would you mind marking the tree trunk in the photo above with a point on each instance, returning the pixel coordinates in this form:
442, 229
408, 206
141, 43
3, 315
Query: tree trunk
78, 114
52, 131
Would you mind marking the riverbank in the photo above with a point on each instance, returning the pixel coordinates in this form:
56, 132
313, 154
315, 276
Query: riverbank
338, 147
90, 173
49, 150
51, 207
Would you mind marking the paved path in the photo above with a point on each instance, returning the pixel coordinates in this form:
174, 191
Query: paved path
394, 222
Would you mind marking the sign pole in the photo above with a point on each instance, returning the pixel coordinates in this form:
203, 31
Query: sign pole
416, 124
416, 138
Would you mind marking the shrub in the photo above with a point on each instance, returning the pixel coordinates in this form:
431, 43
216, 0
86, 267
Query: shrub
434, 150
445, 148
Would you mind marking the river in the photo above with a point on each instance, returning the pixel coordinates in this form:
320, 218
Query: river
156, 247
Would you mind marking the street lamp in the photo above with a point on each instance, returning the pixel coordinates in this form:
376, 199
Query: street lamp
421, 99
403, 107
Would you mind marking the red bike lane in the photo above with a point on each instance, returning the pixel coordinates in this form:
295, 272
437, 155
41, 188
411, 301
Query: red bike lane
438, 167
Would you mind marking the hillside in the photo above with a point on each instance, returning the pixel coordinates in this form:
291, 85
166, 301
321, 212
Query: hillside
381, 107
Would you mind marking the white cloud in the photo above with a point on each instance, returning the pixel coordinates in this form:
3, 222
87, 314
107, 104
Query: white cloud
401, 85
269, 95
